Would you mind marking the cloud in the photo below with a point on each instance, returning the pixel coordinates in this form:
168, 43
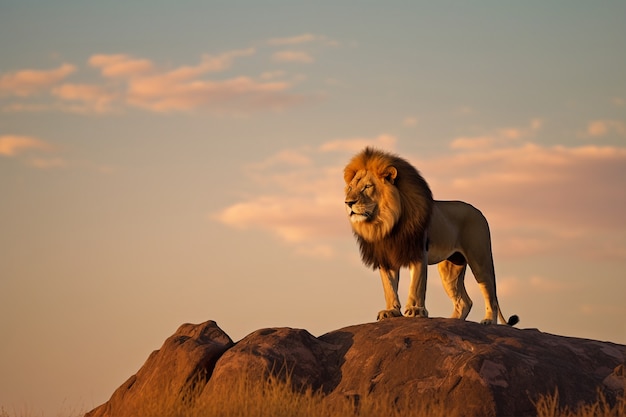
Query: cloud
541, 199
188, 87
293, 40
514, 286
293, 56
120, 66
28, 82
47, 163
499, 137
139, 82
565, 201
294, 219
383, 141
93, 97
13, 145
409, 121
599, 128
302, 39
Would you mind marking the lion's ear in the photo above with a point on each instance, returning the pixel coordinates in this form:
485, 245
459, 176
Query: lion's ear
348, 175
390, 173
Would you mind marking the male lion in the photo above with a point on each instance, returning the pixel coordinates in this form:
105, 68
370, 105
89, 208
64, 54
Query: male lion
397, 223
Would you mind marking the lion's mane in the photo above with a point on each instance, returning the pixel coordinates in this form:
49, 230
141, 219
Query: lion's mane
403, 241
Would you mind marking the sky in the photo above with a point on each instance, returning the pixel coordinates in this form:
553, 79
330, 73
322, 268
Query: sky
165, 163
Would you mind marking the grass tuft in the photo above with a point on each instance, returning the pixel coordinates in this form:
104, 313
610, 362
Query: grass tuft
276, 397
548, 406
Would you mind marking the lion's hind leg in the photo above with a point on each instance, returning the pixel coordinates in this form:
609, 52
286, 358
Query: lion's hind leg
452, 272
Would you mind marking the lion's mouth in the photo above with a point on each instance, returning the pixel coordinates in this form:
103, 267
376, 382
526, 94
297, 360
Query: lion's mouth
359, 217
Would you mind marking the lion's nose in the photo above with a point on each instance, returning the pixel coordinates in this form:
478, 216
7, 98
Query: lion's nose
350, 203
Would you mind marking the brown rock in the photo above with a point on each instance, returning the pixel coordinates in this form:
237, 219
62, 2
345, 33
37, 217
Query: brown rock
187, 357
483, 370
281, 351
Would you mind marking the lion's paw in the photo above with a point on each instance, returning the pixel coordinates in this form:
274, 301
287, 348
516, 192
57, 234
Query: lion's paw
486, 321
387, 314
416, 312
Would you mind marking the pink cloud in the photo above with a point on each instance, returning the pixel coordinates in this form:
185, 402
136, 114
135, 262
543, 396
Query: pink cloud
188, 87
599, 128
500, 137
139, 82
47, 163
28, 82
538, 199
120, 66
295, 219
293, 40
94, 97
293, 56
409, 121
164, 93
303, 39
12, 145
383, 141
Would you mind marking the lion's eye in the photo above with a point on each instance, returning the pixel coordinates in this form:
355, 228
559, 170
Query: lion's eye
368, 186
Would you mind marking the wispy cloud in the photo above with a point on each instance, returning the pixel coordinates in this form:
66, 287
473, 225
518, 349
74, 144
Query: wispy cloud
13, 145
90, 97
29, 150
499, 137
353, 145
600, 128
541, 199
47, 163
27, 82
538, 199
188, 87
128, 80
120, 65
304, 38
409, 121
293, 56
293, 40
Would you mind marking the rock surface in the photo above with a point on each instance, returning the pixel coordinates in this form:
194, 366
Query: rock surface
485, 370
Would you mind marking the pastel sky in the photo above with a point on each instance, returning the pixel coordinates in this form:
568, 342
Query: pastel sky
171, 162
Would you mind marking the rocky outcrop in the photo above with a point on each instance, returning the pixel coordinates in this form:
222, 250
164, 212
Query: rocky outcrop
185, 358
484, 370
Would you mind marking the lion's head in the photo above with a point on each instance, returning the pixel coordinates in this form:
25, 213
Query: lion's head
389, 206
372, 202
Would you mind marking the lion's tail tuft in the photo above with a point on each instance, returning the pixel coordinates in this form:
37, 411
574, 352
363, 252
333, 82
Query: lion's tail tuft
513, 320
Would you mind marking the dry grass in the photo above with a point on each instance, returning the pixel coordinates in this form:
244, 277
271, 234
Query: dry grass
548, 406
276, 398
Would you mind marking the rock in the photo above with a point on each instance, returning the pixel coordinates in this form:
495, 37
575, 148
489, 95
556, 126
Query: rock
483, 370
188, 356
308, 360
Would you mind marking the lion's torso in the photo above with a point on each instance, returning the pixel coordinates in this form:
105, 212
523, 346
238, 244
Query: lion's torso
456, 227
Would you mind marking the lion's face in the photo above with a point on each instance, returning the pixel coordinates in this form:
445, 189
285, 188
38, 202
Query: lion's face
372, 202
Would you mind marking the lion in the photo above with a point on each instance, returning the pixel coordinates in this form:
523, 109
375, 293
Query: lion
397, 223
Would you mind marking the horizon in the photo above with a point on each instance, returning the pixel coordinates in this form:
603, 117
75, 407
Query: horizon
168, 163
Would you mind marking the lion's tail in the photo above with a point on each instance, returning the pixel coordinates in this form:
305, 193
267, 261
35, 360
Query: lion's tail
512, 321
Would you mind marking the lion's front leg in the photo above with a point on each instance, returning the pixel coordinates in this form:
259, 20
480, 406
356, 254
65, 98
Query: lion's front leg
390, 279
416, 304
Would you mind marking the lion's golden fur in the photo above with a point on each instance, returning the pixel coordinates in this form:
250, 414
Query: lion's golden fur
396, 235
397, 224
